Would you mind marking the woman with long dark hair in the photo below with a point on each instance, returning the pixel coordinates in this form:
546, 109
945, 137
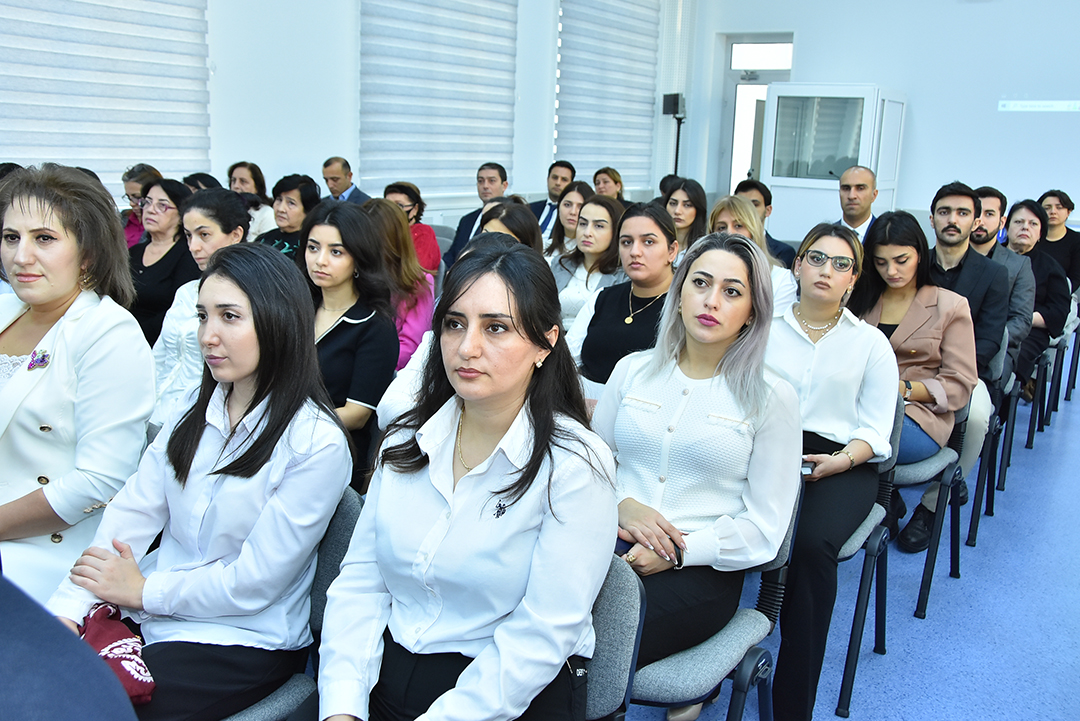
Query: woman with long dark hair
685, 202
241, 485
569, 205
487, 532
354, 317
516, 219
594, 262
161, 263
413, 289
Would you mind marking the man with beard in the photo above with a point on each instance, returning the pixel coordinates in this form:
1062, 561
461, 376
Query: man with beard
957, 266
1021, 278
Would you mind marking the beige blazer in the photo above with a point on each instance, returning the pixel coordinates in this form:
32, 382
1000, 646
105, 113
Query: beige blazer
74, 427
935, 345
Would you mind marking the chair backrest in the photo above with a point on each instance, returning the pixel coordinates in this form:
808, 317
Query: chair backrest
444, 236
997, 363
331, 552
894, 440
618, 616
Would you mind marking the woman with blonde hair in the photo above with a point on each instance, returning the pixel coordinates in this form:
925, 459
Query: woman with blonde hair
413, 287
733, 214
608, 181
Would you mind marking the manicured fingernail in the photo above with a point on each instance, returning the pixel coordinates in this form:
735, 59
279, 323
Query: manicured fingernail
649, 547
665, 556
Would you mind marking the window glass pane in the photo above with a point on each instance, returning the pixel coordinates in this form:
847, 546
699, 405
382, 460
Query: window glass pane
761, 56
816, 137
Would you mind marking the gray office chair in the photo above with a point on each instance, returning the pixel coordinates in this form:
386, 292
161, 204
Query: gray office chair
696, 674
874, 538
444, 235
618, 617
283, 702
984, 483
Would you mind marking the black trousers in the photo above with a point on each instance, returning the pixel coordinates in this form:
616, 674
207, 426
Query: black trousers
1031, 348
685, 607
410, 682
205, 682
832, 509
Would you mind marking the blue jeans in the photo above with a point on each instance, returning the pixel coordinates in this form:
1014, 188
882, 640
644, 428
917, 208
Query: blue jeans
915, 445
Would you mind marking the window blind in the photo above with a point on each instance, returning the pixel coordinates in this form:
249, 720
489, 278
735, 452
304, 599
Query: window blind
105, 86
606, 93
436, 92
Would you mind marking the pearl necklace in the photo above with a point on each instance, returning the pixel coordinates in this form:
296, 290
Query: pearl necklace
817, 328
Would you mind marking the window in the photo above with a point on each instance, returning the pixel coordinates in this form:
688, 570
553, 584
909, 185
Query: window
761, 56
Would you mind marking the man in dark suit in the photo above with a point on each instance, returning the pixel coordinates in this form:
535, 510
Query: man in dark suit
858, 191
1021, 277
957, 266
759, 194
491, 182
560, 174
338, 176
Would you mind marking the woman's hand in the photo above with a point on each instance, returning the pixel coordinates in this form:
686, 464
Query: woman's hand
112, 578
646, 562
71, 625
826, 465
645, 525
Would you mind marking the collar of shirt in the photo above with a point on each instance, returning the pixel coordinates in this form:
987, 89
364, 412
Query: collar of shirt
515, 445
346, 193
217, 415
935, 264
846, 318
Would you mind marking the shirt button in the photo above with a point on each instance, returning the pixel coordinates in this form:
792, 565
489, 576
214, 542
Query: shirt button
686, 391
446, 515
663, 478
671, 429
44, 428
417, 629
43, 480
56, 538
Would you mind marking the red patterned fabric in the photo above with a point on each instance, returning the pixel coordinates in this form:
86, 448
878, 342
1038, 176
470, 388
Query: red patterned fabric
121, 649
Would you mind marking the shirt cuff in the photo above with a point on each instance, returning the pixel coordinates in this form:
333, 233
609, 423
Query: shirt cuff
343, 697
71, 507
153, 594
940, 402
701, 546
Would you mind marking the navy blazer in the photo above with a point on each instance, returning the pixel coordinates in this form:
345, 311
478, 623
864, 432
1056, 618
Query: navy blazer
780, 250
985, 284
461, 237
356, 196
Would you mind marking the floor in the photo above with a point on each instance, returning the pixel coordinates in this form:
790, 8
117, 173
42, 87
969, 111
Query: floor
1002, 641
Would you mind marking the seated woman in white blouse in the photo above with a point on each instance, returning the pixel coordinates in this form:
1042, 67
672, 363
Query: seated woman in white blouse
707, 446
211, 219
486, 535
594, 262
242, 486
846, 376
735, 214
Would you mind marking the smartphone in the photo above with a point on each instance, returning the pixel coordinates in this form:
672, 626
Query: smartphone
807, 468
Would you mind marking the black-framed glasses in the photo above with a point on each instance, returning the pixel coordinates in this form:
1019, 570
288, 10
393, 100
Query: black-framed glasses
841, 263
406, 206
135, 199
161, 206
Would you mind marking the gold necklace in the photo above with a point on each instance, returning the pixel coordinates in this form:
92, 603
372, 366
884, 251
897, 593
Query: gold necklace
630, 302
461, 457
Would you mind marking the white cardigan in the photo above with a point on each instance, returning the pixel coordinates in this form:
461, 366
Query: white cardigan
99, 384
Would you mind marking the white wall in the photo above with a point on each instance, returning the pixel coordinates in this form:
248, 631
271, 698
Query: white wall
954, 60
284, 85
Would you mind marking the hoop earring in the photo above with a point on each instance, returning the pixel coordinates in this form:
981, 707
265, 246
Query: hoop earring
356, 273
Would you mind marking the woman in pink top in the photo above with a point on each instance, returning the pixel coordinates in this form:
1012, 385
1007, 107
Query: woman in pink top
413, 287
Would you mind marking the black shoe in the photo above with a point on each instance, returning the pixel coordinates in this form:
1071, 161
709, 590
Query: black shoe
961, 492
916, 534
897, 509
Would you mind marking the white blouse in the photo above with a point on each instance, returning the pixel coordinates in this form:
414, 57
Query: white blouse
847, 382
784, 289
686, 448
237, 555
576, 292
178, 363
459, 570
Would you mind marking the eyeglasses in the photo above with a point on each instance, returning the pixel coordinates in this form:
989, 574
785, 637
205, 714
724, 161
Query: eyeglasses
133, 199
406, 207
841, 263
161, 206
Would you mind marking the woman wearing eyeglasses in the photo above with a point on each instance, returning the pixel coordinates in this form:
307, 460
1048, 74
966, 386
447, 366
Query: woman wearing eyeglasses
134, 178
160, 264
407, 197
846, 376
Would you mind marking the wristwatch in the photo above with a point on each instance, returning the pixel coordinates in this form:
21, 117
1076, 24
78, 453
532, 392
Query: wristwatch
907, 390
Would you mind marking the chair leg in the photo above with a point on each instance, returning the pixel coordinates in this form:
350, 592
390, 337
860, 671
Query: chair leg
1040, 391
882, 596
1072, 368
954, 532
1056, 376
980, 483
1036, 403
1007, 443
754, 670
935, 538
991, 471
858, 622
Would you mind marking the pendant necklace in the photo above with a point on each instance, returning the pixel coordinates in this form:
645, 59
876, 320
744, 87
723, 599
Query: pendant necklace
630, 301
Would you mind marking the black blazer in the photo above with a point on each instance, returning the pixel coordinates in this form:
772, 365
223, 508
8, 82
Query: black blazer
461, 237
985, 284
356, 196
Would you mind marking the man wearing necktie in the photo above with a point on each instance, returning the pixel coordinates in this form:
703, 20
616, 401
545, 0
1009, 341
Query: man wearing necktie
560, 174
